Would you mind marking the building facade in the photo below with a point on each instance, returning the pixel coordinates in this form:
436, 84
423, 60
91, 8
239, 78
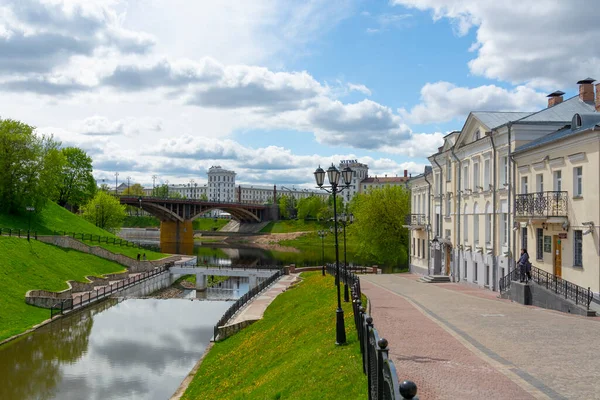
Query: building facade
221, 184
474, 188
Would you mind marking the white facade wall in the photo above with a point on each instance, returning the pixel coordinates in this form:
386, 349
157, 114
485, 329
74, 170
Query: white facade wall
221, 185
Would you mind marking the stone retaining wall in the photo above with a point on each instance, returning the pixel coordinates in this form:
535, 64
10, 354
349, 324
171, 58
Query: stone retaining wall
229, 330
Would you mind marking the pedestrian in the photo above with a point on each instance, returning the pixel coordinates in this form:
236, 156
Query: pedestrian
524, 266
138, 258
144, 257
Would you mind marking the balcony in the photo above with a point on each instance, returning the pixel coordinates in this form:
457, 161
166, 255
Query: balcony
416, 220
541, 205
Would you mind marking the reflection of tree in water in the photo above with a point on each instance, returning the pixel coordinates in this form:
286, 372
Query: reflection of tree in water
30, 366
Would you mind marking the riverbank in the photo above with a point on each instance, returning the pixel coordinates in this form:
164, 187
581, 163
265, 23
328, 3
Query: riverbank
288, 353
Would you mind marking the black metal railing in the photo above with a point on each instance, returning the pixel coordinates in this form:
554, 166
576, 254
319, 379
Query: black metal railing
235, 307
558, 285
415, 220
67, 305
542, 204
21, 233
381, 372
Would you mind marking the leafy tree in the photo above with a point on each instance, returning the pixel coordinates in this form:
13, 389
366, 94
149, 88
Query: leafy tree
378, 219
134, 190
77, 184
203, 197
313, 207
287, 206
105, 211
105, 188
30, 167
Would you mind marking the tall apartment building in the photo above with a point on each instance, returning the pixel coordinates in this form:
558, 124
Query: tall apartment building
362, 182
472, 221
221, 184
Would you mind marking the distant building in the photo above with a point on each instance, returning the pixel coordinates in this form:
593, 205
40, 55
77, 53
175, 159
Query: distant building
221, 185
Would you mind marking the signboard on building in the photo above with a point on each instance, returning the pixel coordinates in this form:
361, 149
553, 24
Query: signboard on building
348, 161
562, 235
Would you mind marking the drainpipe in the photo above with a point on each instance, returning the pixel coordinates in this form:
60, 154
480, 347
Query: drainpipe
429, 224
459, 195
510, 191
493, 238
514, 207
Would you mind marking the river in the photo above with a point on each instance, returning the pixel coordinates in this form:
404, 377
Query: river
118, 349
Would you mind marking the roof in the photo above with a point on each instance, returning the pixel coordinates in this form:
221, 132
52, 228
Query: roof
393, 179
562, 112
493, 119
588, 122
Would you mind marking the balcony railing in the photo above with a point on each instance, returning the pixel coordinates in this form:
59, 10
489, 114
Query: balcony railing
415, 220
542, 204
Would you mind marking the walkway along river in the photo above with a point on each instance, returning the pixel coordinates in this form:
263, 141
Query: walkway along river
118, 349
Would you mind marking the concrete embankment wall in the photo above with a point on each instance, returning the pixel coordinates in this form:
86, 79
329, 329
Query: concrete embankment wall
148, 286
536, 295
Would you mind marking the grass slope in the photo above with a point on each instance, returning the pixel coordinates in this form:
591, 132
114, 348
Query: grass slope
293, 225
209, 224
289, 354
34, 265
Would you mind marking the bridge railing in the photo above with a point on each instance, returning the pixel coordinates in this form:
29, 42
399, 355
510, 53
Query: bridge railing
382, 377
235, 307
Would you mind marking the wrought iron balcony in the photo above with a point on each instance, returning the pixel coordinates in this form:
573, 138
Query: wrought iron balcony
542, 204
416, 220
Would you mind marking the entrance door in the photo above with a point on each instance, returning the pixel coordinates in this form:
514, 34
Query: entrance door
557, 256
437, 261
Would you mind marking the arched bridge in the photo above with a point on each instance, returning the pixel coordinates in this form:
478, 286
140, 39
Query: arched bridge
176, 216
184, 209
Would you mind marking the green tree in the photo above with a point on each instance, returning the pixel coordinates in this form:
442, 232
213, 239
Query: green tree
77, 184
30, 167
287, 206
104, 188
203, 197
105, 211
313, 207
134, 190
378, 219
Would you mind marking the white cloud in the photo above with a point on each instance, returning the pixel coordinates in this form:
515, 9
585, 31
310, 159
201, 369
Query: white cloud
444, 101
546, 43
358, 87
102, 126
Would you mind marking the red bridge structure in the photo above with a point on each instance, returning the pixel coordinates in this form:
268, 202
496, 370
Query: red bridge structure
176, 216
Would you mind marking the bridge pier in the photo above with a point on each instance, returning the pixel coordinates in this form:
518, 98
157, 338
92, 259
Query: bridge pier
177, 237
252, 281
201, 282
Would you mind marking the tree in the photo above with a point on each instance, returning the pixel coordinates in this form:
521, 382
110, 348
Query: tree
203, 197
134, 190
287, 206
378, 219
30, 167
105, 211
312, 207
77, 184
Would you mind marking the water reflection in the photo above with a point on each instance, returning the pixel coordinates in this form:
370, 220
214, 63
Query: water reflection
138, 349
232, 288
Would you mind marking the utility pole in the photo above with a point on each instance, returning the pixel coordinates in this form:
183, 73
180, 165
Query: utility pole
116, 183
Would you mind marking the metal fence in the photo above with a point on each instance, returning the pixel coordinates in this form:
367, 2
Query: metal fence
77, 236
235, 307
542, 204
103, 292
18, 233
381, 373
558, 285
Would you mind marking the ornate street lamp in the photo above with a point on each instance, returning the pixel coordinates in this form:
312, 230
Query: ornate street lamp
322, 234
333, 175
29, 211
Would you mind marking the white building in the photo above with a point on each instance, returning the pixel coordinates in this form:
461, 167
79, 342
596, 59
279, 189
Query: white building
221, 185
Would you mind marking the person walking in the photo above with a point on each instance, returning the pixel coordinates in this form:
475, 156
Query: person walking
138, 257
524, 266
144, 257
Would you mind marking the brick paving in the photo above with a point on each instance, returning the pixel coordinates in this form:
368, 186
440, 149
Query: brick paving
457, 341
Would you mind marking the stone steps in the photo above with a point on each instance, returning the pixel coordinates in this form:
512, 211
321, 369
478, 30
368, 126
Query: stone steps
434, 279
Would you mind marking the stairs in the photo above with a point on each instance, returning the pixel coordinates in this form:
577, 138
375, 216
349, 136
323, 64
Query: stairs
434, 279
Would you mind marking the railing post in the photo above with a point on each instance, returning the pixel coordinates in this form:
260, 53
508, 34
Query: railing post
566, 288
577, 294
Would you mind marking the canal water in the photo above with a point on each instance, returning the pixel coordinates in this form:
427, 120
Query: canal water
118, 349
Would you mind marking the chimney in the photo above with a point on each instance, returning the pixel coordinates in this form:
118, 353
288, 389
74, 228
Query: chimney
405, 173
586, 90
597, 97
555, 98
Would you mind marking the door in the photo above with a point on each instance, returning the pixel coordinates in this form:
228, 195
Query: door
557, 256
437, 260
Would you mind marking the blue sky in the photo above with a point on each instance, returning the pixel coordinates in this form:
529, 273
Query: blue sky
272, 88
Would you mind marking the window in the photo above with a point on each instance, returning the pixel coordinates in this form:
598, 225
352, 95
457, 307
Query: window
577, 181
437, 225
448, 205
504, 171
488, 228
416, 204
539, 240
477, 134
476, 181
448, 170
524, 186
504, 229
578, 248
438, 186
558, 181
447, 234
423, 245
465, 178
539, 183
487, 275
413, 247
465, 270
486, 174
474, 272
418, 247
523, 238
476, 229
423, 206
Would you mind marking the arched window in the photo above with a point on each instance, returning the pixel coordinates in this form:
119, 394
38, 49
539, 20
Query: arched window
476, 224
488, 223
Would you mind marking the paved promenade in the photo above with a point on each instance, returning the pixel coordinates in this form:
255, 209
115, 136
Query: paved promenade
458, 342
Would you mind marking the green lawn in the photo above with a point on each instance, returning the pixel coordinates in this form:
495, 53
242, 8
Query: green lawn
289, 354
130, 252
52, 218
34, 265
293, 225
209, 224
132, 221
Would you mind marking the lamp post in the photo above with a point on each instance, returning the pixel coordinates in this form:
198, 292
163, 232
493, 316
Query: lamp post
333, 175
322, 234
29, 211
154, 178
116, 183
346, 219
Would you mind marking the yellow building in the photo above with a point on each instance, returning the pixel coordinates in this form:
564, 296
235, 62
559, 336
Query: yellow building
418, 222
557, 208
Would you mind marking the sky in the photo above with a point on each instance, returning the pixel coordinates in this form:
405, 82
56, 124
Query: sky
274, 88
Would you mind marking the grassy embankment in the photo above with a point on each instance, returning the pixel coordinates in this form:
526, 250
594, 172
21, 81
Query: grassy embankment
289, 354
34, 265
54, 218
